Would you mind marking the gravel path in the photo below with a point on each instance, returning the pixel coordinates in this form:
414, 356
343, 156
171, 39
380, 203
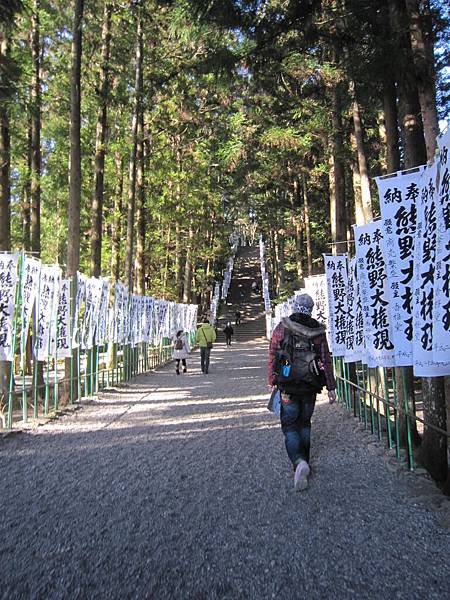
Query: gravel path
179, 487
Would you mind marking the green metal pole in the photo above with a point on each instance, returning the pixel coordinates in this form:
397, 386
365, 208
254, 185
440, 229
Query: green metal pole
364, 396
377, 385
358, 383
387, 412
408, 426
397, 427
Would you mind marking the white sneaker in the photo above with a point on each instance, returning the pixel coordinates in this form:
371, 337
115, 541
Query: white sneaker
301, 476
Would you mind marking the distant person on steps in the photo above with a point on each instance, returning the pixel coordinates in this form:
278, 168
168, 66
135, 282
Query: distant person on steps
228, 331
237, 317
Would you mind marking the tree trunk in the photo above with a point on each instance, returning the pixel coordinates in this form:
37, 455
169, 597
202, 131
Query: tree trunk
422, 42
408, 98
36, 161
391, 124
297, 223
309, 256
5, 162
337, 171
116, 234
366, 196
188, 268
140, 213
356, 184
26, 201
5, 206
74, 208
433, 450
132, 168
100, 137
165, 276
73, 238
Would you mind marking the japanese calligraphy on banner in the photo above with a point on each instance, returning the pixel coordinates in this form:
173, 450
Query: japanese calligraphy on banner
336, 274
120, 302
81, 293
63, 338
354, 338
30, 286
371, 272
8, 283
424, 280
45, 343
398, 195
316, 287
102, 321
441, 306
92, 305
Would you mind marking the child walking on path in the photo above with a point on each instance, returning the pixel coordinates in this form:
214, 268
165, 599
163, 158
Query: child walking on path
180, 350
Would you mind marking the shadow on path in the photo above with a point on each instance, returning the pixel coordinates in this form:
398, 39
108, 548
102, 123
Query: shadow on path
179, 487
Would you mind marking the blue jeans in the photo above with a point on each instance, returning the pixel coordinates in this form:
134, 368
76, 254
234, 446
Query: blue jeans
204, 358
295, 418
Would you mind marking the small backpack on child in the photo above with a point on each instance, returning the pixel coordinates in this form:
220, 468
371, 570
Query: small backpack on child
179, 344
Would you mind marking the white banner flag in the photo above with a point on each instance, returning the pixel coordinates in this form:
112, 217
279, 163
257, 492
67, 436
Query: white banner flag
441, 306
30, 286
102, 318
336, 274
371, 273
63, 337
354, 337
424, 281
80, 297
47, 307
8, 283
398, 195
316, 287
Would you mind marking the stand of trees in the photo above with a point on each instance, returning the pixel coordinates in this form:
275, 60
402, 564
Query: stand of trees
133, 135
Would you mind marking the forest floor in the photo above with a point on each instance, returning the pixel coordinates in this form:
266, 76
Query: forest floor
180, 487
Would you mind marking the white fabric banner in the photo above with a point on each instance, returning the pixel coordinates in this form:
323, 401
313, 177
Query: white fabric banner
101, 330
8, 283
30, 286
336, 274
63, 337
398, 195
371, 274
80, 296
120, 303
92, 306
424, 282
45, 342
316, 287
354, 337
441, 306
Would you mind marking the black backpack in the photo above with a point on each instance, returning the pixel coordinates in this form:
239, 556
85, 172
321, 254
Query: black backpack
179, 344
296, 365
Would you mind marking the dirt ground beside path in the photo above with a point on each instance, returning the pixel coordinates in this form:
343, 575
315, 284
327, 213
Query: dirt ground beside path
180, 487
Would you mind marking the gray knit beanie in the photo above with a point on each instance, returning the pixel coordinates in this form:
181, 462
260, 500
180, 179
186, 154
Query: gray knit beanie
303, 303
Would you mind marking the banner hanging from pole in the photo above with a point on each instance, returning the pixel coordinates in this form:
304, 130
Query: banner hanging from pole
371, 272
8, 283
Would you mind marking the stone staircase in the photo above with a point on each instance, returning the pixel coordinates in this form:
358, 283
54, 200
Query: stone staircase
240, 297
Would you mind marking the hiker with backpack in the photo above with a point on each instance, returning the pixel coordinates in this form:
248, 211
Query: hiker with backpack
299, 366
180, 350
205, 337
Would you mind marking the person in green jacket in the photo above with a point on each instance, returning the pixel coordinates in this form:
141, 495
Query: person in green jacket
205, 337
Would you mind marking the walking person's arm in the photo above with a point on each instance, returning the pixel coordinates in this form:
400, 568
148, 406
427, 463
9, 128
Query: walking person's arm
321, 347
277, 336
